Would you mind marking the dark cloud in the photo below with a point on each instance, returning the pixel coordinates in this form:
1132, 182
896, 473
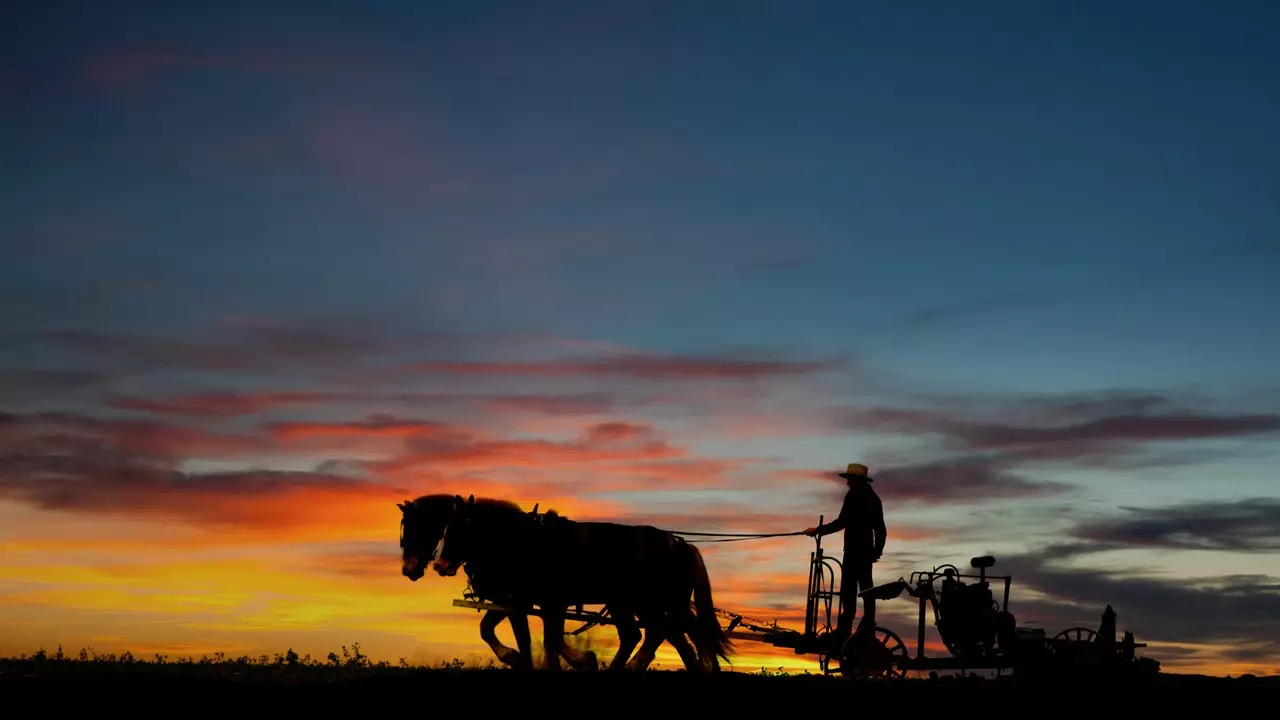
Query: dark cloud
351, 361
931, 316
1237, 611
961, 481
237, 346
1116, 430
651, 367
1251, 525
1077, 407
228, 404
218, 404
137, 351
982, 449
142, 437
965, 480
34, 385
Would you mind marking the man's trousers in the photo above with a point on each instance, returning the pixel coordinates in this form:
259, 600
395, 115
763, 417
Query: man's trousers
855, 577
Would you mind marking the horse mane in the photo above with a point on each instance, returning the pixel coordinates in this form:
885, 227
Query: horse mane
449, 497
425, 499
498, 503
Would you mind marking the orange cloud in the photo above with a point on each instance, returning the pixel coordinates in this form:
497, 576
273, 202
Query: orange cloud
614, 455
91, 475
107, 470
283, 507
375, 426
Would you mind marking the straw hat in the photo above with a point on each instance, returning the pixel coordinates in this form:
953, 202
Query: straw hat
856, 470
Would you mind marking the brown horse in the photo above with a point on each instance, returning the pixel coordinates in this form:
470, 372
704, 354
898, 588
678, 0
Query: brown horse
422, 526
553, 562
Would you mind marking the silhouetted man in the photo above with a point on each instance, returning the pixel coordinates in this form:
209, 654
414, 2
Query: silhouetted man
862, 520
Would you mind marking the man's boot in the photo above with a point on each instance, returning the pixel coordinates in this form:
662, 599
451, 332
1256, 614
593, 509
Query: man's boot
844, 627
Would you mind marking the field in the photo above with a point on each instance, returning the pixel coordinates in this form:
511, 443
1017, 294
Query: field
269, 685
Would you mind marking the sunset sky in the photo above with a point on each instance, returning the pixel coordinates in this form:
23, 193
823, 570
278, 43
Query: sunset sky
270, 270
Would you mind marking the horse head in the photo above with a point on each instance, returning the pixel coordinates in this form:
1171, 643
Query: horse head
456, 540
422, 524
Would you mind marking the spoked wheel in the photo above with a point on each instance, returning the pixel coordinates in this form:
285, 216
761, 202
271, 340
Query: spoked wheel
1077, 634
879, 654
1072, 642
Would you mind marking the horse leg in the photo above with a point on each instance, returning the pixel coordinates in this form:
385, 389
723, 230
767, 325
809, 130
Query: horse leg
488, 624
579, 659
655, 633
520, 628
684, 618
552, 635
628, 637
676, 636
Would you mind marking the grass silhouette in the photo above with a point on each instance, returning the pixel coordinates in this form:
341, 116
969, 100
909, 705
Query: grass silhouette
349, 663
55, 680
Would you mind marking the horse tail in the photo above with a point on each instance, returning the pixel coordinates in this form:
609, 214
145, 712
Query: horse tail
711, 641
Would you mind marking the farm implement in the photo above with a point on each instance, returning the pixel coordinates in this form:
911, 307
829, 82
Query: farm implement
978, 632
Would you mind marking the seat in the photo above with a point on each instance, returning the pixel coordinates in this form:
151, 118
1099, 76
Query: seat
888, 591
983, 562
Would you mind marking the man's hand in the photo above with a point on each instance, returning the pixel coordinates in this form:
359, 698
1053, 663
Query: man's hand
875, 556
811, 531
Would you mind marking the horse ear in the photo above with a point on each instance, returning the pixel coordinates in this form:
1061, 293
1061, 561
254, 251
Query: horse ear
457, 500
403, 507
535, 508
471, 500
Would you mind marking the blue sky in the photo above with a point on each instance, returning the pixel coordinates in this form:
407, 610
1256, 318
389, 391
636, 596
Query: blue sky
903, 161
963, 207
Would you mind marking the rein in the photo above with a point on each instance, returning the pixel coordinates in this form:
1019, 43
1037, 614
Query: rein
734, 537
540, 518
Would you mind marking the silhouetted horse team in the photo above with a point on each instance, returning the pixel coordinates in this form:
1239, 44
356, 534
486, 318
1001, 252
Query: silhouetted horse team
522, 559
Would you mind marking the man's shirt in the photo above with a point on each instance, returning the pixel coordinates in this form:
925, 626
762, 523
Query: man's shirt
862, 520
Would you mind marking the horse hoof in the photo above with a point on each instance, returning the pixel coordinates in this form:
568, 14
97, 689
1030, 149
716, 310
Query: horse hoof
590, 664
511, 658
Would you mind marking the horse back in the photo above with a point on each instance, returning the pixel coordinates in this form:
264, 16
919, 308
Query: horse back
617, 542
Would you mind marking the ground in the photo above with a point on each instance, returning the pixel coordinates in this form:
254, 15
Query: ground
267, 687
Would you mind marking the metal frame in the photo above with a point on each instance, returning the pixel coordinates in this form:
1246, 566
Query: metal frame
589, 618
920, 586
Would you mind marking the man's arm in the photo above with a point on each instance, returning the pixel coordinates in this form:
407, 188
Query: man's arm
841, 521
877, 517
